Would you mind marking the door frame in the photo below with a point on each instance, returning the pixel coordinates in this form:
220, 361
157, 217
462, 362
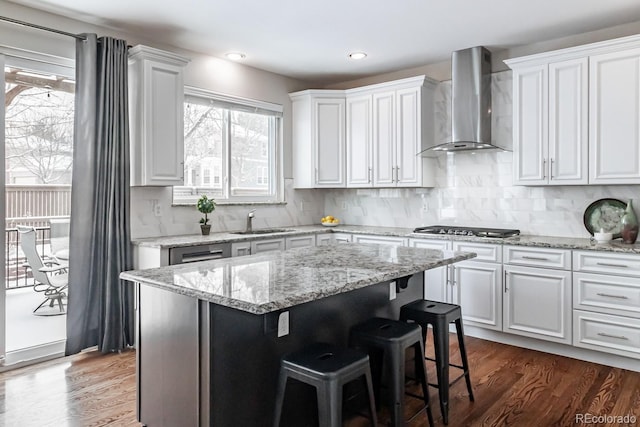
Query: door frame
43, 63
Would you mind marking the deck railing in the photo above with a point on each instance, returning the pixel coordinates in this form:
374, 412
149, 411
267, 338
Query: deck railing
36, 206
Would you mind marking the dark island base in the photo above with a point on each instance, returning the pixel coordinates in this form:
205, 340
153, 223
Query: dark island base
235, 355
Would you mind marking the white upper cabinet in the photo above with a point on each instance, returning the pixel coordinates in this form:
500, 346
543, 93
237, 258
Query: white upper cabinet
568, 131
550, 123
614, 119
359, 148
374, 143
577, 115
156, 103
318, 139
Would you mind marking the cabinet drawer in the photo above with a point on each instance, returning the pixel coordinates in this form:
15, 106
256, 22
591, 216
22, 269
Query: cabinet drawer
299, 241
607, 263
486, 252
537, 257
606, 294
603, 332
381, 240
441, 245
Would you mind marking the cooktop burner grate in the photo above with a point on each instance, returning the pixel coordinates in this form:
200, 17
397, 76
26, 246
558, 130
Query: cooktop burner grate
467, 231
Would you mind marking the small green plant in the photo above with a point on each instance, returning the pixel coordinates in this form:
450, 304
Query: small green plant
205, 205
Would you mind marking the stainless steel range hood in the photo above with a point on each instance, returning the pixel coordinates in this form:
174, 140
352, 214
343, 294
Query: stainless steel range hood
470, 102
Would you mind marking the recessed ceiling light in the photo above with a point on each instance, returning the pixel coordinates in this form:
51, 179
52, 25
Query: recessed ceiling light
357, 55
235, 56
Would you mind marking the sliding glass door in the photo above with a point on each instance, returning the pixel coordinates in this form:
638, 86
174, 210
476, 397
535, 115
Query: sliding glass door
37, 147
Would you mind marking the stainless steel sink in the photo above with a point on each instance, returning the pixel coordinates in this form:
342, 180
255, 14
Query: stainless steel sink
263, 231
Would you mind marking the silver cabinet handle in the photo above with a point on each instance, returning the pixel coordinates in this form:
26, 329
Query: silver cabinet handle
605, 264
535, 258
612, 296
370, 173
551, 170
505, 282
544, 168
619, 337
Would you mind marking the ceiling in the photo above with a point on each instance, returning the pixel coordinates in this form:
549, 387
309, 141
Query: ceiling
311, 40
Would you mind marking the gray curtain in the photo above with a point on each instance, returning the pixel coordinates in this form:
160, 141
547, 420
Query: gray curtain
100, 306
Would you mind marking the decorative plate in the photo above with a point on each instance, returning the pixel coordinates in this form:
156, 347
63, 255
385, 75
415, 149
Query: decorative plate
605, 214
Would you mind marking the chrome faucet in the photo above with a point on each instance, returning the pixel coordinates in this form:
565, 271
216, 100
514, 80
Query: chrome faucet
250, 216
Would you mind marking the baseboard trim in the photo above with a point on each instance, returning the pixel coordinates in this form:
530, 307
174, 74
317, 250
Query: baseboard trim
555, 348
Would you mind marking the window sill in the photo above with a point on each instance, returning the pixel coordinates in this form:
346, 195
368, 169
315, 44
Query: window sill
191, 204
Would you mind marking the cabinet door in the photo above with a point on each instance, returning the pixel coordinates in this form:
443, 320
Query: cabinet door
408, 138
614, 118
479, 292
537, 303
568, 116
530, 124
324, 239
258, 246
156, 108
384, 161
329, 142
240, 249
436, 280
341, 237
359, 155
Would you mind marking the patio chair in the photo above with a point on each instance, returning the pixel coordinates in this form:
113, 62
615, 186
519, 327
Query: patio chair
51, 277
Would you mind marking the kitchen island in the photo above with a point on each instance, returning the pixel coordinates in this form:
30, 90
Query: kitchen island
210, 334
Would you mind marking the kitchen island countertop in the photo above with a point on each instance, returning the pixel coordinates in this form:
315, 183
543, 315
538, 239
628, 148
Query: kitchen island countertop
277, 280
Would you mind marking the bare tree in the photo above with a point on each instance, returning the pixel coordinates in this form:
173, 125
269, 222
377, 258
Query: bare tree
39, 132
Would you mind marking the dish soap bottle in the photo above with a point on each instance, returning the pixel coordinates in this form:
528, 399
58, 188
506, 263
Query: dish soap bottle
629, 225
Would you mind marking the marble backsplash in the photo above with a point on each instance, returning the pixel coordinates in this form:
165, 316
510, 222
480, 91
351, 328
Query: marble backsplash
302, 207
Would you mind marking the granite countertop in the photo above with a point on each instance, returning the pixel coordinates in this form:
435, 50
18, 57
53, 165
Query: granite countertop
522, 240
277, 280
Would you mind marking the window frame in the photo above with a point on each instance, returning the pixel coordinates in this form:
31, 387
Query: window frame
275, 179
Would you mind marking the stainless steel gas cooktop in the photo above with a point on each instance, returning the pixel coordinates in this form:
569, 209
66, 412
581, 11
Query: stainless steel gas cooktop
455, 230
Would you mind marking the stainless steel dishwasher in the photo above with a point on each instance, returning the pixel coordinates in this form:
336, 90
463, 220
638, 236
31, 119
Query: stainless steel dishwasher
183, 255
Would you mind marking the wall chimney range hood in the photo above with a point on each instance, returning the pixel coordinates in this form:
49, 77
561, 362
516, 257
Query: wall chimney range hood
470, 102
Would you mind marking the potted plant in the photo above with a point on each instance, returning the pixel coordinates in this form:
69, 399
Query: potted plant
205, 205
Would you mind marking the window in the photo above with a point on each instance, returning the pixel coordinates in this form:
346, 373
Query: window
233, 143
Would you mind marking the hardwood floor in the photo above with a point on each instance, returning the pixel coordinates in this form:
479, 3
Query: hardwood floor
512, 386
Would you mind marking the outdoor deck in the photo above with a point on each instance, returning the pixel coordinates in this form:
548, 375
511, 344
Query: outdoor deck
25, 329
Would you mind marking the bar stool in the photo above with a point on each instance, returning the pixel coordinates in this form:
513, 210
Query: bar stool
393, 338
439, 315
327, 368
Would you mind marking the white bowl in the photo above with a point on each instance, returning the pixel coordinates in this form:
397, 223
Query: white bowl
330, 224
603, 237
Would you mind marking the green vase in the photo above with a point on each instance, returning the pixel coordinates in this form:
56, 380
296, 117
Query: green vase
629, 223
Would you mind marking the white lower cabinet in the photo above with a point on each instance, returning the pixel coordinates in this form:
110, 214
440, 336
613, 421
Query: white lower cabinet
300, 241
537, 293
436, 281
380, 240
267, 245
324, 239
477, 285
606, 302
240, 249
537, 303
